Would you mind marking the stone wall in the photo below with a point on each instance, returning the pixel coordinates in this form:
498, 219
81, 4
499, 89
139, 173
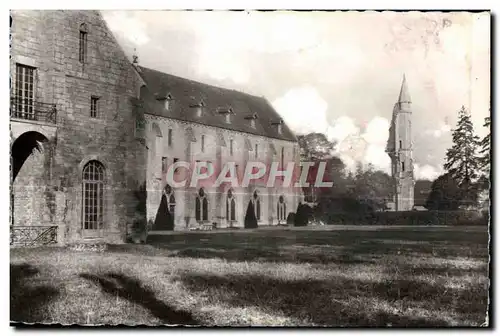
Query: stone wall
49, 41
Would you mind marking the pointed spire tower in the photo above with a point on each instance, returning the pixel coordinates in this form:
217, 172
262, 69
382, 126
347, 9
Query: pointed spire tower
404, 94
400, 150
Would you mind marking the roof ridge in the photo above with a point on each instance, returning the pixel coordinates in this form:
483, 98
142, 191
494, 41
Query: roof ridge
202, 83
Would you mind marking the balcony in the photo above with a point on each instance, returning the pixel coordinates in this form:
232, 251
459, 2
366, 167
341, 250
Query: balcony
29, 109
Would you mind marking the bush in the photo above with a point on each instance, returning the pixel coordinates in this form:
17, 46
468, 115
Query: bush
303, 216
250, 219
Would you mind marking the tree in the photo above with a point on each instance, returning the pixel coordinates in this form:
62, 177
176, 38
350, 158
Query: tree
372, 187
444, 195
485, 149
316, 148
462, 161
422, 191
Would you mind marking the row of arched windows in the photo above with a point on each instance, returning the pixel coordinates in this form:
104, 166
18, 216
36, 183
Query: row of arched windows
201, 205
93, 199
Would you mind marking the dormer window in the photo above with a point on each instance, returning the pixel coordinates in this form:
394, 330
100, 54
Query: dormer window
279, 125
198, 108
226, 112
252, 119
166, 100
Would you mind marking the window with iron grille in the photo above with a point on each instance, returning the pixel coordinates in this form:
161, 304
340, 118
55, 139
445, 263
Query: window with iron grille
170, 137
93, 196
94, 107
231, 143
203, 143
24, 99
83, 43
256, 150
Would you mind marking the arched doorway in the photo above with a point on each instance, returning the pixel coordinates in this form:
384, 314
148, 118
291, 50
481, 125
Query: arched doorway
201, 207
281, 209
30, 167
23, 147
165, 216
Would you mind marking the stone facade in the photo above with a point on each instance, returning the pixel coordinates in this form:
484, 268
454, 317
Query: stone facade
48, 187
81, 115
218, 153
190, 121
400, 150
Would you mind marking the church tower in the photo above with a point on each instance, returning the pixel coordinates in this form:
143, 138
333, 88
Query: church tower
399, 148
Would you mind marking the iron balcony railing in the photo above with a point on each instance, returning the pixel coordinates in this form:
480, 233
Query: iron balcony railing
23, 236
30, 109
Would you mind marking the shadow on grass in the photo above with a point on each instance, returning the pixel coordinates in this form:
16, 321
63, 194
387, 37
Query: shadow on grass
265, 254
341, 247
132, 290
340, 301
27, 302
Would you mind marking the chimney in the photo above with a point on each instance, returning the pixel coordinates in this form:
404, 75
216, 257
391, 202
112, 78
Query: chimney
135, 61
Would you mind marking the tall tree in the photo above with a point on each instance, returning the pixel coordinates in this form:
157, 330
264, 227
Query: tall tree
485, 163
485, 148
462, 161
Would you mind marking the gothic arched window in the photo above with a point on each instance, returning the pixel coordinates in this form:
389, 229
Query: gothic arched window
256, 202
281, 209
201, 207
170, 197
230, 206
93, 196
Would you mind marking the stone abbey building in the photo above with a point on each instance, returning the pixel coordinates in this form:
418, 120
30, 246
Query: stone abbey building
93, 135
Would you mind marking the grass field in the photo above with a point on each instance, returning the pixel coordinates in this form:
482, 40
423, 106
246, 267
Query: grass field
288, 277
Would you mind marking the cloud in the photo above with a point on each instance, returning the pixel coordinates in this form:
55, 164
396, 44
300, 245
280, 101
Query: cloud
224, 53
365, 147
437, 133
342, 128
128, 27
427, 172
303, 109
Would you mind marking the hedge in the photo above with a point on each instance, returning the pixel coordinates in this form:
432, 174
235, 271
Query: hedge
449, 218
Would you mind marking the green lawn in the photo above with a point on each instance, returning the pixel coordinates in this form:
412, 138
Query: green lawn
330, 277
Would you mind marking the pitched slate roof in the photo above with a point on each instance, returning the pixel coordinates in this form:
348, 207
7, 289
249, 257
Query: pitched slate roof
185, 94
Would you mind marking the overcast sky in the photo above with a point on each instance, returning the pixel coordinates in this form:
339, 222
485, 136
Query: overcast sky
331, 72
